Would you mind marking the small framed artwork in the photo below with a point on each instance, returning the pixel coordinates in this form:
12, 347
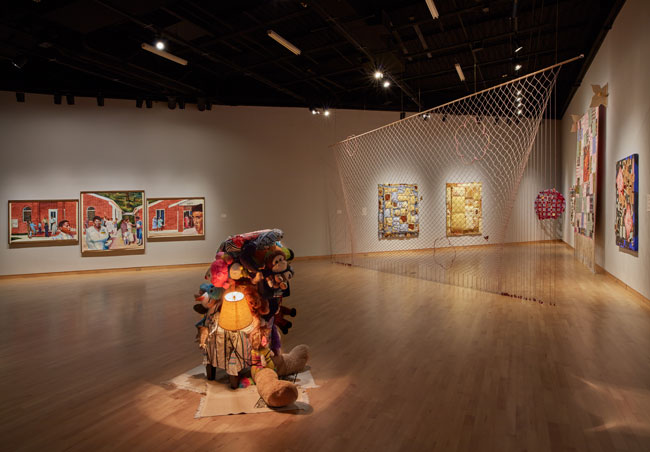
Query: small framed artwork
50, 222
170, 219
112, 222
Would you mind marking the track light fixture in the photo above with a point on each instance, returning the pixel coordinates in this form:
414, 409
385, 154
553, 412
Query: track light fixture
57, 99
164, 54
100, 100
160, 45
200, 103
138, 102
20, 61
386, 84
326, 112
69, 98
181, 103
378, 75
518, 49
517, 66
171, 102
459, 71
20, 97
425, 116
149, 103
283, 42
432, 9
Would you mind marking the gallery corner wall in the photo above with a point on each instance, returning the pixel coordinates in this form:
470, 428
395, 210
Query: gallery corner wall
621, 62
256, 167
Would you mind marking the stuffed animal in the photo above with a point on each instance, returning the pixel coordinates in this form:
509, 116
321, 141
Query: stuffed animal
279, 320
219, 276
277, 271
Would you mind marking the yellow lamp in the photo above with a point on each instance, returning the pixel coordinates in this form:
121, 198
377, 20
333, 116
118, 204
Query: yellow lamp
235, 314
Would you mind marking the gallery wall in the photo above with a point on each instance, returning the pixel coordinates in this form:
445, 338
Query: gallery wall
622, 62
257, 168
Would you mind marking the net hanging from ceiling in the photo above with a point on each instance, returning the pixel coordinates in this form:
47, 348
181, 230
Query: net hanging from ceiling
461, 194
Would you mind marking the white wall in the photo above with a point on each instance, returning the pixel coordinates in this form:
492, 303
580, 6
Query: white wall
623, 62
262, 167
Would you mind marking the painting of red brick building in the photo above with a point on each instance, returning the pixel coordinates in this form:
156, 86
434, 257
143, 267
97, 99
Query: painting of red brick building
43, 222
175, 219
112, 222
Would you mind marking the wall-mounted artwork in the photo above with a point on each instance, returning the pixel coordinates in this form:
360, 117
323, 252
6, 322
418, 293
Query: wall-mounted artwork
175, 219
464, 209
584, 217
43, 223
399, 211
112, 222
586, 173
627, 203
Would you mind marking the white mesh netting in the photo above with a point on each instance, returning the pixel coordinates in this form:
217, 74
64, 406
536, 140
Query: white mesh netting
485, 237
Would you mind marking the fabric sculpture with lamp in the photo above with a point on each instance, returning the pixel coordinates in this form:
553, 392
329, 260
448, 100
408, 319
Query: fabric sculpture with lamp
249, 278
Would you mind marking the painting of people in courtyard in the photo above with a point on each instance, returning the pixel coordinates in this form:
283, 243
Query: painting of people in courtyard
175, 219
112, 222
43, 223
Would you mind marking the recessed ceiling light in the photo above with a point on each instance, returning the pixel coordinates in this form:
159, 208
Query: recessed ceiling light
378, 75
517, 67
160, 45
386, 84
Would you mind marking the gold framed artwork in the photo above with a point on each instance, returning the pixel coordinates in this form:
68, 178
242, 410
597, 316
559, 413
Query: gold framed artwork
175, 219
399, 211
112, 222
464, 209
49, 222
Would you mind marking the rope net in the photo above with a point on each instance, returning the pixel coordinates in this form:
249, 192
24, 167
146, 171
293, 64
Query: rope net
449, 195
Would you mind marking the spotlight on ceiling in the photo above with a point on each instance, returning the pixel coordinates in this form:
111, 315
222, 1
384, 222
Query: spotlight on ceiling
378, 75
69, 98
326, 112
100, 100
20, 97
459, 70
200, 103
283, 42
181, 103
518, 49
171, 102
19, 61
519, 93
149, 103
313, 111
164, 54
432, 9
386, 84
160, 45
57, 99
208, 105
425, 116
139, 102
519, 111
517, 67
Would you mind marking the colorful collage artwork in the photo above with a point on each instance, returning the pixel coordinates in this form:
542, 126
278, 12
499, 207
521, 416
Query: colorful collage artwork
464, 209
627, 203
399, 211
586, 171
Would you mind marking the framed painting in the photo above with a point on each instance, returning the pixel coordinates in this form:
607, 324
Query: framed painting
112, 222
464, 209
399, 211
50, 222
627, 203
175, 219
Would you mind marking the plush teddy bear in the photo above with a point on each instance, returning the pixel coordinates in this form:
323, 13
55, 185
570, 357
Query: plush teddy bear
219, 275
277, 271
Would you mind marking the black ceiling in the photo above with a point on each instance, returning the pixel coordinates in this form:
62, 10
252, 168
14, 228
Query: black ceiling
92, 47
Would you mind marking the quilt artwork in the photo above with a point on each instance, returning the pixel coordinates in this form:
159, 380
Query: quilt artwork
399, 211
586, 170
627, 203
464, 209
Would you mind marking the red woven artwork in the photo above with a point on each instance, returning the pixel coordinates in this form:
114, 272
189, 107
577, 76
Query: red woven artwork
549, 204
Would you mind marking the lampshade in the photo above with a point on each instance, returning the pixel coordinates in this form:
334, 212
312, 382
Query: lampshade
235, 314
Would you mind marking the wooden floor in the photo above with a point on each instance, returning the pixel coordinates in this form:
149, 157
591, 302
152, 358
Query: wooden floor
404, 365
